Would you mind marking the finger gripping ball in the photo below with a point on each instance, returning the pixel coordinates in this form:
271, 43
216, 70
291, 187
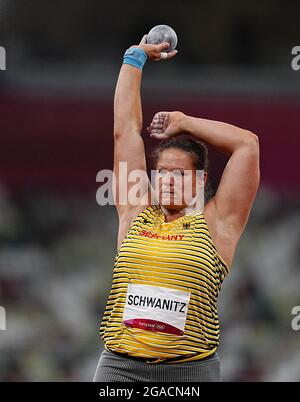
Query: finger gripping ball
162, 33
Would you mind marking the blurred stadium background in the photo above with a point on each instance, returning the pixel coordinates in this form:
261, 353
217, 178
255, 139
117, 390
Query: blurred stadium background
58, 245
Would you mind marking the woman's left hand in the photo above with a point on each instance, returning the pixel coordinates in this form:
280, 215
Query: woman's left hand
165, 125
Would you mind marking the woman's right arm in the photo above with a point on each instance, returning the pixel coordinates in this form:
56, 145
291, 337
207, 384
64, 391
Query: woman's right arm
128, 144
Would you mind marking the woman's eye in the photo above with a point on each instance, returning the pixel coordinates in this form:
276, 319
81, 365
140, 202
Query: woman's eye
174, 173
178, 173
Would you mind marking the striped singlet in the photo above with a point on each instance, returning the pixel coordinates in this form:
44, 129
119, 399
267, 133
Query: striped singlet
163, 301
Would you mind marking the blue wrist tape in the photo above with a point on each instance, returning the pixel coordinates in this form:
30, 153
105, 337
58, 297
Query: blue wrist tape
136, 57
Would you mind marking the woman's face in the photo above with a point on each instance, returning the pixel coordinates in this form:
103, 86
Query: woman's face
177, 180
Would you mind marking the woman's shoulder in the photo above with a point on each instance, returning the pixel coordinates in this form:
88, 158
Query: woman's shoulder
142, 211
148, 210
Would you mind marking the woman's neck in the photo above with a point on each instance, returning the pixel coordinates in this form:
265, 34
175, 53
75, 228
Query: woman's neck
172, 214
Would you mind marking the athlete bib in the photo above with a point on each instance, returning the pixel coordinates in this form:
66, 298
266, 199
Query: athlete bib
156, 308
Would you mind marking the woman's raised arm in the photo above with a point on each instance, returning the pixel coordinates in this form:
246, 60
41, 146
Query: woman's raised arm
128, 144
228, 211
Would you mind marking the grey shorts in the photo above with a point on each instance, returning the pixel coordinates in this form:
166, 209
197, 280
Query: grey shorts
115, 368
